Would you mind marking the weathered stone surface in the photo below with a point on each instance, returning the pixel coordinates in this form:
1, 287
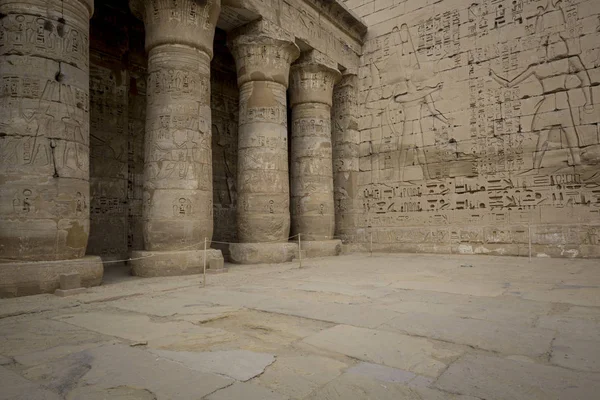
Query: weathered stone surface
280, 310
44, 148
50, 355
240, 365
571, 352
140, 328
262, 253
351, 386
322, 248
178, 191
70, 281
113, 366
27, 278
263, 53
345, 139
387, 374
69, 292
171, 263
311, 91
15, 387
444, 167
117, 393
297, 376
31, 338
516, 380
5, 360
245, 391
483, 334
417, 355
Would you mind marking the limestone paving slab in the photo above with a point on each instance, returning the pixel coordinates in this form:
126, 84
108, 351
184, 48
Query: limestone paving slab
388, 374
172, 304
298, 376
573, 353
351, 386
417, 355
34, 304
140, 328
241, 365
118, 365
245, 391
507, 309
55, 352
346, 289
495, 378
353, 314
27, 336
15, 387
116, 393
488, 335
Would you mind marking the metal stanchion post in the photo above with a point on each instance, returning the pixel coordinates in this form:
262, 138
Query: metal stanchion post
529, 234
204, 270
300, 249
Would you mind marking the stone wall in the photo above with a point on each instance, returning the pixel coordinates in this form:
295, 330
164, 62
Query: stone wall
480, 126
117, 108
224, 105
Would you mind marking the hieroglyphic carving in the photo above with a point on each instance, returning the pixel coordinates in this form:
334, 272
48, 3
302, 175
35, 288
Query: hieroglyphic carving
311, 95
263, 182
497, 100
224, 110
39, 36
320, 33
44, 120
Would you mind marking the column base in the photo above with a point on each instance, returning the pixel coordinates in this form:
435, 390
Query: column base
25, 278
149, 264
321, 248
262, 253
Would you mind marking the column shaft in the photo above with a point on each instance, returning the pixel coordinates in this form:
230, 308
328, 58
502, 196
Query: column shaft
178, 157
346, 140
44, 120
311, 174
177, 209
312, 81
263, 53
263, 183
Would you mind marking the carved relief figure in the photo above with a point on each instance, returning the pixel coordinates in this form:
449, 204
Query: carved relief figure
555, 70
413, 85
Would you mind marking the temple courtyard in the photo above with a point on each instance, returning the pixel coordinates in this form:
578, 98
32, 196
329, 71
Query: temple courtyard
350, 327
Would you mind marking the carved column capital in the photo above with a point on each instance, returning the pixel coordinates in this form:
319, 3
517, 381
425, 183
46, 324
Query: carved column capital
51, 9
263, 52
191, 23
312, 79
348, 79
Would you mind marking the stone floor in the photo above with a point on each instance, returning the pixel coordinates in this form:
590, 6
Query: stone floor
350, 327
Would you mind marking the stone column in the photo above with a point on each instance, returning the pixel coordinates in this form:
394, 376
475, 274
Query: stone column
346, 141
263, 53
311, 91
177, 212
44, 145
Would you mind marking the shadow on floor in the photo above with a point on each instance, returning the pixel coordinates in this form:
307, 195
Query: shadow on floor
117, 273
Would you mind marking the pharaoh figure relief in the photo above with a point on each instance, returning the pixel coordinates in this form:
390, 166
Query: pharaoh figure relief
401, 95
559, 70
482, 115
